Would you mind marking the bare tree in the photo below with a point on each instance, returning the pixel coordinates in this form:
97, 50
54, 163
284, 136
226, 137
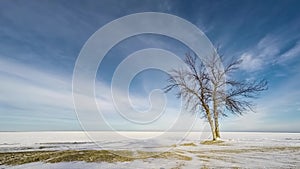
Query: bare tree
228, 92
209, 83
193, 88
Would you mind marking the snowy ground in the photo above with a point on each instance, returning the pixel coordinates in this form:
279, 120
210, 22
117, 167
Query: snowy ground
240, 149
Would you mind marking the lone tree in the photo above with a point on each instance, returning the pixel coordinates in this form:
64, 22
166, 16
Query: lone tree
209, 87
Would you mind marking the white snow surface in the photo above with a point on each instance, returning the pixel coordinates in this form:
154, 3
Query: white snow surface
240, 149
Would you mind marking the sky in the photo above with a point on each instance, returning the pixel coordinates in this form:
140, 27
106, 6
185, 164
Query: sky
41, 40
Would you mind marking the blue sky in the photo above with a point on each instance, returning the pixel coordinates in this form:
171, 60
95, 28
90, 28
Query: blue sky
40, 41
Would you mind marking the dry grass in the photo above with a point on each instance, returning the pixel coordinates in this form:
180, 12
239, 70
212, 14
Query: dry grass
214, 142
17, 158
188, 144
209, 157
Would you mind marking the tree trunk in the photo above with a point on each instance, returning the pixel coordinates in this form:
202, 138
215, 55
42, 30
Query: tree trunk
209, 118
212, 128
217, 129
216, 113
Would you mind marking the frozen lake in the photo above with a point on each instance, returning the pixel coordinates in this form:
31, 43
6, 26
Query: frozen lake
239, 149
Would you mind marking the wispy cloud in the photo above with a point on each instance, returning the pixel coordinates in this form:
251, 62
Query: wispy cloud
265, 53
28, 94
291, 53
269, 46
33, 99
250, 63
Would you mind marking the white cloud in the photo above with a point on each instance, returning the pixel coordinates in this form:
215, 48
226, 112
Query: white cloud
49, 97
269, 44
34, 100
290, 54
250, 63
29, 93
264, 53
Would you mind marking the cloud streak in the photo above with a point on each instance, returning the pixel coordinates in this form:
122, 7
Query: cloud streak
29, 94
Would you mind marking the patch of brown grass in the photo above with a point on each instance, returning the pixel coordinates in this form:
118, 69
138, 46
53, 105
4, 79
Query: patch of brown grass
188, 144
18, 158
213, 142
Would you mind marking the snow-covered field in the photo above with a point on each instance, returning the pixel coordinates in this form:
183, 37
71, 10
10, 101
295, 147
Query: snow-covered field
239, 149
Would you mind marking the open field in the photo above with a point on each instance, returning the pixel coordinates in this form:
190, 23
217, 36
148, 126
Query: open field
236, 150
